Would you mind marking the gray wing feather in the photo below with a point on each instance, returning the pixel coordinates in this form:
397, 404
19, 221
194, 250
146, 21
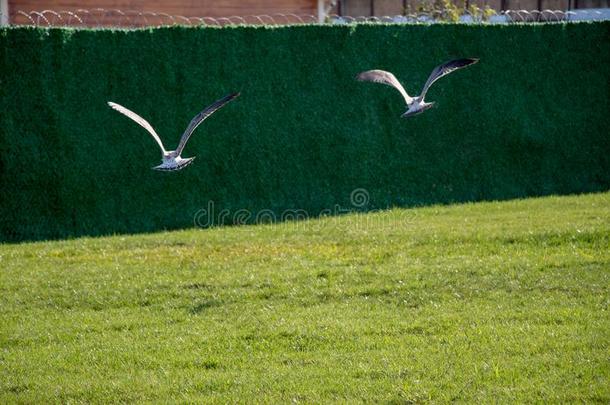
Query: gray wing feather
198, 119
445, 69
139, 120
381, 76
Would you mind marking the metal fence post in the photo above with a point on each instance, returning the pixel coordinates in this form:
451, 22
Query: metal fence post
321, 12
4, 20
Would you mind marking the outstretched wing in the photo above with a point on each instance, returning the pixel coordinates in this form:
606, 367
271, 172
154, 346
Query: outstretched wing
381, 76
139, 120
198, 119
445, 69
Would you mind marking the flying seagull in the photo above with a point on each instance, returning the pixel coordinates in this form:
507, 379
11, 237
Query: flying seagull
171, 160
415, 105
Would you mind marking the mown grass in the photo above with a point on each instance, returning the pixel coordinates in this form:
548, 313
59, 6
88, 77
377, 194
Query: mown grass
489, 302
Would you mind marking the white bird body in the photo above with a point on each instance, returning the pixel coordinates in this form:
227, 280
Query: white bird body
171, 160
415, 105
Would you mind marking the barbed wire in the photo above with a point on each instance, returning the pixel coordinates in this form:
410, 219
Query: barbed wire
102, 18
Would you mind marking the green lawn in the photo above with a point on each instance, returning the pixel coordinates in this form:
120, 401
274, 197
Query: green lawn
489, 302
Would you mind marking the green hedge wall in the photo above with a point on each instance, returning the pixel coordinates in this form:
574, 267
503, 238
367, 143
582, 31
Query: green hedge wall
531, 118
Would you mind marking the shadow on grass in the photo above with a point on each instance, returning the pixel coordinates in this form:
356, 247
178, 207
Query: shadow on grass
358, 204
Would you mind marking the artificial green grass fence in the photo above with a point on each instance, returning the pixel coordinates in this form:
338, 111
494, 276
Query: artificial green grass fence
531, 118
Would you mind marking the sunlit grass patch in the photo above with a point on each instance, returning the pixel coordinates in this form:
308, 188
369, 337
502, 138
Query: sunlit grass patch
498, 301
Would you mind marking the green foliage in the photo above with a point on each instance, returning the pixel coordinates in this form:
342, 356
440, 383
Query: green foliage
451, 11
530, 119
478, 303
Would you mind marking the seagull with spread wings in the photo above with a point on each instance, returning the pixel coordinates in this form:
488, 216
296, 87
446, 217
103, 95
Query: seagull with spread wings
171, 160
415, 105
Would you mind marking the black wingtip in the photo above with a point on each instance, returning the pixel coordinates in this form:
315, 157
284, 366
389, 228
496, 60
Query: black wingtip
460, 63
229, 97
